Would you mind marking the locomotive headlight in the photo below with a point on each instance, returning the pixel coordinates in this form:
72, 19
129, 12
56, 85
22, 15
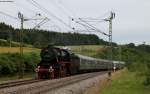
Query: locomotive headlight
37, 69
50, 69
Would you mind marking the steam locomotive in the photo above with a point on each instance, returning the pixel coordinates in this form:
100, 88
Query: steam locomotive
56, 63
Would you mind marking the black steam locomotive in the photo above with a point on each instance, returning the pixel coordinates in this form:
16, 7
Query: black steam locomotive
56, 63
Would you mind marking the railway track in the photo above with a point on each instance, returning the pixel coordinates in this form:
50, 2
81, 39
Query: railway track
17, 83
49, 85
65, 83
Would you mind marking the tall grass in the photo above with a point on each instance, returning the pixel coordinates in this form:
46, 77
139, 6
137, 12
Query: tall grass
10, 63
127, 83
17, 50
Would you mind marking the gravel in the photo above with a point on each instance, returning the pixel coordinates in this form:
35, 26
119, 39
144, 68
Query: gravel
75, 88
79, 87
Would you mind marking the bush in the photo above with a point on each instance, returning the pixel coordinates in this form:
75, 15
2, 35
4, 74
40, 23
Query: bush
30, 61
10, 63
7, 66
7, 43
147, 81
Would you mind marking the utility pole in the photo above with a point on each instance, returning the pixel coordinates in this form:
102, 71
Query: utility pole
22, 19
120, 53
10, 38
110, 38
20, 16
21, 70
112, 16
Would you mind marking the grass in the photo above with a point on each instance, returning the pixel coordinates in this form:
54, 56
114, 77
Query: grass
17, 49
15, 77
127, 83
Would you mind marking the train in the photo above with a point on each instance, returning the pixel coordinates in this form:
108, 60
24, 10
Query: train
57, 63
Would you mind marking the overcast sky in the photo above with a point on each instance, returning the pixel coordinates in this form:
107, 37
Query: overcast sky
130, 25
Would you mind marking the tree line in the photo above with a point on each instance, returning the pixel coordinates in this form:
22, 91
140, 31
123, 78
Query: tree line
40, 38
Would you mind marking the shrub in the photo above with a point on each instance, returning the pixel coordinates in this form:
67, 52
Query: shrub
7, 67
10, 63
30, 61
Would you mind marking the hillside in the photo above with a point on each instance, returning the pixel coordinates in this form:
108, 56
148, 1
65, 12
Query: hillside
40, 38
6, 43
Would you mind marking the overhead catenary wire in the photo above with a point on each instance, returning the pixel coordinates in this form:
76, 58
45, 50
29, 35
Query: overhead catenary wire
34, 3
97, 19
84, 25
103, 16
68, 11
93, 27
62, 8
89, 19
25, 19
90, 22
8, 15
67, 8
52, 14
41, 23
25, 8
89, 28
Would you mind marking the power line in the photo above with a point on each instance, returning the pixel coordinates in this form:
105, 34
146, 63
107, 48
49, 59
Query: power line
90, 28
45, 20
61, 8
93, 27
97, 19
8, 15
47, 12
102, 16
84, 25
6, 1
20, 5
66, 8
89, 19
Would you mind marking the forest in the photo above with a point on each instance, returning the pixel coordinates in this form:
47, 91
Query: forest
41, 38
